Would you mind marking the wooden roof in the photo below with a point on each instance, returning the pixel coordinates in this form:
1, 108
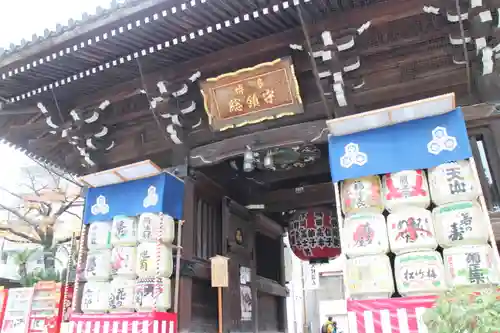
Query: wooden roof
405, 56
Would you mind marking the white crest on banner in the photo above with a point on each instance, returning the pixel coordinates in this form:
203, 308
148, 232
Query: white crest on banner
441, 141
151, 198
353, 156
100, 206
311, 276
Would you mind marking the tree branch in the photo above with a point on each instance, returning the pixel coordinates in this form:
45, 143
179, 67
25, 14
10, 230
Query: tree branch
11, 193
21, 234
19, 215
66, 207
62, 241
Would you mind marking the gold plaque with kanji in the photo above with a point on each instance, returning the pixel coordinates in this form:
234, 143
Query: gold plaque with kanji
252, 95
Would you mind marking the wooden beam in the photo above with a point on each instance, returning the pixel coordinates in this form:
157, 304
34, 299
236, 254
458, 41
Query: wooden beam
285, 200
260, 137
268, 286
319, 167
268, 227
378, 14
374, 69
426, 87
284, 136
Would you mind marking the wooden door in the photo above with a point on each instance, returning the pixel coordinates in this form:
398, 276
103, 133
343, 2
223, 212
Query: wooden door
240, 298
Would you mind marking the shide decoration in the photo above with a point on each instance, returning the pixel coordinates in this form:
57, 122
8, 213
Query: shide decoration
481, 35
178, 103
337, 60
85, 131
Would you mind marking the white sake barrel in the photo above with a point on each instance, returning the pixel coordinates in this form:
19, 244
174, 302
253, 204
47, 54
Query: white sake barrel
150, 228
146, 262
469, 265
419, 273
365, 234
369, 277
361, 194
145, 291
405, 188
411, 229
99, 235
98, 265
460, 223
123, 260
95, 297
124, 231
121, 295
452, 182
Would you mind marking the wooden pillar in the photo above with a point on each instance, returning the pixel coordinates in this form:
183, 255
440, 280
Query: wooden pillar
186, 283
282, 314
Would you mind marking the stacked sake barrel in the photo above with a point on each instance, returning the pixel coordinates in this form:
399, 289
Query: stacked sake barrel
414, 221
462, 227
364, 239
129, 263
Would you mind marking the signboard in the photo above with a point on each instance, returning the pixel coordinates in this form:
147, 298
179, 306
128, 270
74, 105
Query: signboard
311, 276
252, 95
220, 271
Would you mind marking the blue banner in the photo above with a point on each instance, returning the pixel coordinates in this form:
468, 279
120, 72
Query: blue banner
417, 144
163, 193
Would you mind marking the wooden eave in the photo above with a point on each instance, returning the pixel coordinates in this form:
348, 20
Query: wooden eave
396, 67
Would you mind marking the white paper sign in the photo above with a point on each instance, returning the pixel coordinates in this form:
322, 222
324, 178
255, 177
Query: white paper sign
311, 276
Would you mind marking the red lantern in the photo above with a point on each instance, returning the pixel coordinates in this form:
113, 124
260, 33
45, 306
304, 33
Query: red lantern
314, 234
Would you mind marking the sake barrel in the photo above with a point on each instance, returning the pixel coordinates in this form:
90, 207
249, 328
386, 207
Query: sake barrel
419, 273
99, 235
460, 223
95, 297
150, 228
121, 295
151, 254
405, 188
123, 260
411, 229
145, 291
469, 265
365, 234
98, 265
361, 194
124, 231
369, 277
452, 182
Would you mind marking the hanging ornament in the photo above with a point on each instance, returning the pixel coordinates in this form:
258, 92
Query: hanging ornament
314, 234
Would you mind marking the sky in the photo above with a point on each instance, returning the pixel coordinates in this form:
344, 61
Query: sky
22, 18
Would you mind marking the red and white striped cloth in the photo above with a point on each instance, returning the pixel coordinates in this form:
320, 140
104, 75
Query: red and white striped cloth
393, 315
157, 322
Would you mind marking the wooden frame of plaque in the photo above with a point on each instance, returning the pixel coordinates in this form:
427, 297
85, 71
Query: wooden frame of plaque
251, 95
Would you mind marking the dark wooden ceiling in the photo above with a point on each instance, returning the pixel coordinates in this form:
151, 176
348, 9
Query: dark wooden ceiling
405, 55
